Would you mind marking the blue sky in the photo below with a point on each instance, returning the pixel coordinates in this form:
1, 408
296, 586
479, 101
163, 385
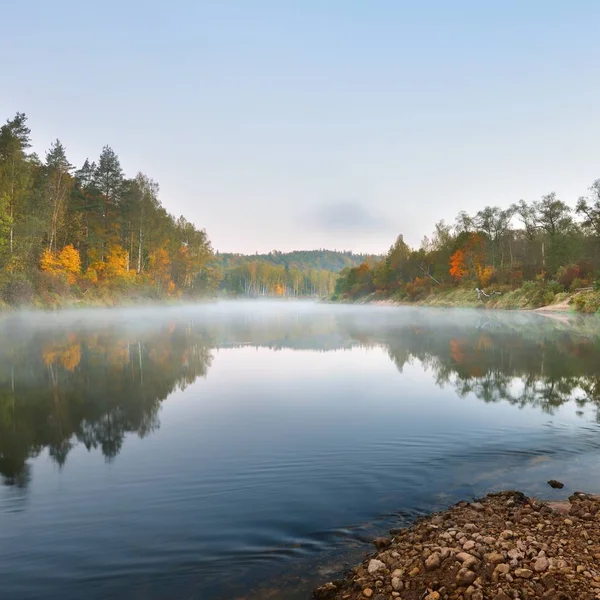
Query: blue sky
300, 124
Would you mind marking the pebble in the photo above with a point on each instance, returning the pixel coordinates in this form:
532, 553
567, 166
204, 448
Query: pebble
468, 560
494, 558
433, 562
514, 548
523, 573
541, 564
397, 584
465, 577
381, 543
375, 565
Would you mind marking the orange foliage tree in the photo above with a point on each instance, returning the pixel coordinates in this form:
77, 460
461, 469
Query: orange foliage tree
458, 267
65, 263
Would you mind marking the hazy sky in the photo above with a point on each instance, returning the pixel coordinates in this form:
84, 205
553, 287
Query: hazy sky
303, 123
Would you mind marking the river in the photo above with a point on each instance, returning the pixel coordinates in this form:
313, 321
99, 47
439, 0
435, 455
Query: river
252, 449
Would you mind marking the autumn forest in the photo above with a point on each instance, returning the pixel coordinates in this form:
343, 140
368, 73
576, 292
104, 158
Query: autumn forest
90, 234
526, 255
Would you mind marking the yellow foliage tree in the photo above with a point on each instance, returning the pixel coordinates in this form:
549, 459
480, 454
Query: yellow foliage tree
67, 262
160, 270
485, 274
116, 263
70, 262
48, 262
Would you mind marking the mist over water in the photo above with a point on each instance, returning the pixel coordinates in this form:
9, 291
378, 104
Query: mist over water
218, 450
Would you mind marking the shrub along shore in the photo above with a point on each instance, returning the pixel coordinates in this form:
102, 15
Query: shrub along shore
530, 296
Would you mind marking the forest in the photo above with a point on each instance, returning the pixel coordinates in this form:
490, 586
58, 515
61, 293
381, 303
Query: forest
91, 234
291, 274
529, 254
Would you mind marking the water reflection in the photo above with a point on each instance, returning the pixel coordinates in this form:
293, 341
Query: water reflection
70, 380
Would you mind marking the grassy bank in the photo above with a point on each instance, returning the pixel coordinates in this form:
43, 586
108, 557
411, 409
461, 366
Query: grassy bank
530, 296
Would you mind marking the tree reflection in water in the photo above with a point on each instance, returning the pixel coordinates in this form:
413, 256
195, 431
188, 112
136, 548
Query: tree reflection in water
92, 385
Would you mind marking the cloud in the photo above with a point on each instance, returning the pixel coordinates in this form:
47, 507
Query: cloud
346, 216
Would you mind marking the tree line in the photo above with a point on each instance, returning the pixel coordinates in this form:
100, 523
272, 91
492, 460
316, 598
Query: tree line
546, 241
92, 233
290, 274
71, 230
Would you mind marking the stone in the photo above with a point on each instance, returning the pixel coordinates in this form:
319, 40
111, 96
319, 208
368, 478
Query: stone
325, 592
568, 522
468, 560
548, 581
432, 596
469, 545
557, 485
381, 543
523, 573
399, 573
507, 534
501, 596
397, 584
495, 558
367, 592
375, 565
433, 562
541, 564
465, 577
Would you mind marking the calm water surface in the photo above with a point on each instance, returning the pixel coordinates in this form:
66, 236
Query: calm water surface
250, 450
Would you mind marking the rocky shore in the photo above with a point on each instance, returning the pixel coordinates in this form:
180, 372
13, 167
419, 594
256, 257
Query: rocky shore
505, 546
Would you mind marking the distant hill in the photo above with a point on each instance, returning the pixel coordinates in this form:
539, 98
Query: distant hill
326, 260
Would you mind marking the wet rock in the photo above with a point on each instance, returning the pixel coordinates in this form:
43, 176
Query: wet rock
329, 590
381, 543
375, 565
557, 485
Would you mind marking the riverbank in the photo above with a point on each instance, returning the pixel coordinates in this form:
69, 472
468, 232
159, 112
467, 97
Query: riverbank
524, 298
505, 546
